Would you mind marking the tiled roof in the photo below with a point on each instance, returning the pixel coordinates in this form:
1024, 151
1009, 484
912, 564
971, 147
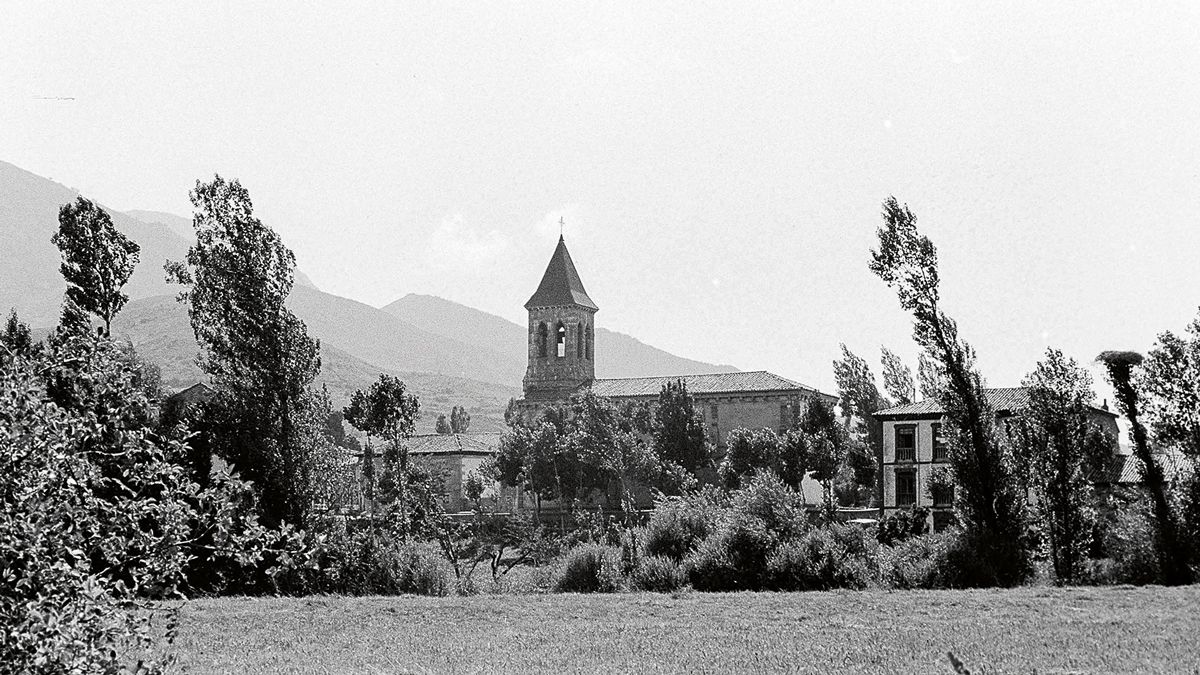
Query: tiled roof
561, 284
1125, 469
449, 444
716, 383
1002, 399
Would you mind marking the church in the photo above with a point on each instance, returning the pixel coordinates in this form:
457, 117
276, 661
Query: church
562, 362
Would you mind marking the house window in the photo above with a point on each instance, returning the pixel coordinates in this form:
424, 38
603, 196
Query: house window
939, 445
906, 488
591, 336
785, 419
943, 495
906, 443
712, 412
562, 340
579, 353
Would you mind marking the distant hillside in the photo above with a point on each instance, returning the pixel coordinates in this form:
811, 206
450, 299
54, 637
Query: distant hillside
617, 354
448, 353
29, 277
158, 328
183, 228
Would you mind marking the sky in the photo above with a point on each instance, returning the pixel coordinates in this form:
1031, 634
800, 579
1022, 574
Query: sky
719, 168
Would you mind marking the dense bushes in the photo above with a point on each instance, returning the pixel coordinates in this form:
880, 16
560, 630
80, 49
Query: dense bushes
836, 556
589, 568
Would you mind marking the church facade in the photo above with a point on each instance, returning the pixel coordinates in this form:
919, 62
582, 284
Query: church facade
562, 362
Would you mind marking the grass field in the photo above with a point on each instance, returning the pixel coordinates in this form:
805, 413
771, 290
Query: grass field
1044, 630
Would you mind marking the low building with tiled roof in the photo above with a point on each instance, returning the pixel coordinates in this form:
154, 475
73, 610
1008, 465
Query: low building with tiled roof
913, 449
453, 457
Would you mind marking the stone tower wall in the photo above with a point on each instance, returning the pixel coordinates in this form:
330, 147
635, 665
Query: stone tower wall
551, 376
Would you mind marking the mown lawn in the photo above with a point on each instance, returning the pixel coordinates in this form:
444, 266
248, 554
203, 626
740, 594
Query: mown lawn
1047, 630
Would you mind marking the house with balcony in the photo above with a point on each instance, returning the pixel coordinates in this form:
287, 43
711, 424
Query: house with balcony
914, 449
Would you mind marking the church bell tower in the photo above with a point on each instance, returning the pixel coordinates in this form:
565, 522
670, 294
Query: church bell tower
561, 332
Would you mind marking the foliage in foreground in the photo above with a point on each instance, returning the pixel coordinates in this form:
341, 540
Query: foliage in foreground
96, 517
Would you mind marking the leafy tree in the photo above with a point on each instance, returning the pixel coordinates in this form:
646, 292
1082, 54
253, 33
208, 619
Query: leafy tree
237, 278
15, 339
94, 517
795, 454
746, 452
97, 260
1172, 553
828, 446
388, 411
860, 400
990, 507
526, 458
442, 425
473, 488
1171, 385
929, 377
897, 378
460, 420
1063, 452
680, 436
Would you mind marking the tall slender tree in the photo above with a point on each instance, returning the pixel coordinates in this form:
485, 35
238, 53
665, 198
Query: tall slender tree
1172, 554
991, 507
897, 378
97, 260
237, 277
1064, 451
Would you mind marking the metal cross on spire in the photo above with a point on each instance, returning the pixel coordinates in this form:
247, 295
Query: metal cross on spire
560, 226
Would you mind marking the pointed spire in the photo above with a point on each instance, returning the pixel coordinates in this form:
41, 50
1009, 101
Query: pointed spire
560, 284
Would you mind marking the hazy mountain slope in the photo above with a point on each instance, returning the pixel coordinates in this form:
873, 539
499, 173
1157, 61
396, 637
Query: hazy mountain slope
617, 354
29, 277
385, 340
159, 329
183, 228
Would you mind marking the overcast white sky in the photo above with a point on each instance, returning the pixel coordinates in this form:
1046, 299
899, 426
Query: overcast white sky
720, 169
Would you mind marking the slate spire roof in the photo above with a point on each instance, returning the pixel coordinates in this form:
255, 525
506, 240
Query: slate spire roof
560, 284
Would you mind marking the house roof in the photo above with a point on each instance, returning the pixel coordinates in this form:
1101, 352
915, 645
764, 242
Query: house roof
1124, 469
454, 444
561, 284
715, 383
1001, 399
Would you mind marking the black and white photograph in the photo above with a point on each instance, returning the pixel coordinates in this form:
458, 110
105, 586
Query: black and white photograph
599, 337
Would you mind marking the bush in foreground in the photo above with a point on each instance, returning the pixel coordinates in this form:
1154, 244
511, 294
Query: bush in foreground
835, 556
589, 568
658, 574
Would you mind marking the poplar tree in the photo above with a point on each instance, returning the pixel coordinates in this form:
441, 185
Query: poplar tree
991, 507
897, 378
1063, 451
237, 277
97, 260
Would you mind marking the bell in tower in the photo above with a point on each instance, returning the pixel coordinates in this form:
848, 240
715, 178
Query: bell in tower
561, 332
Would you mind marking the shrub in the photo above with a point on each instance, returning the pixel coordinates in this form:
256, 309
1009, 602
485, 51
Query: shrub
1130, 544
979, 560
916, 562
658, 574
679, 524
902, 525
835, 556
589, 568
369, 562
734, 558
422, 570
